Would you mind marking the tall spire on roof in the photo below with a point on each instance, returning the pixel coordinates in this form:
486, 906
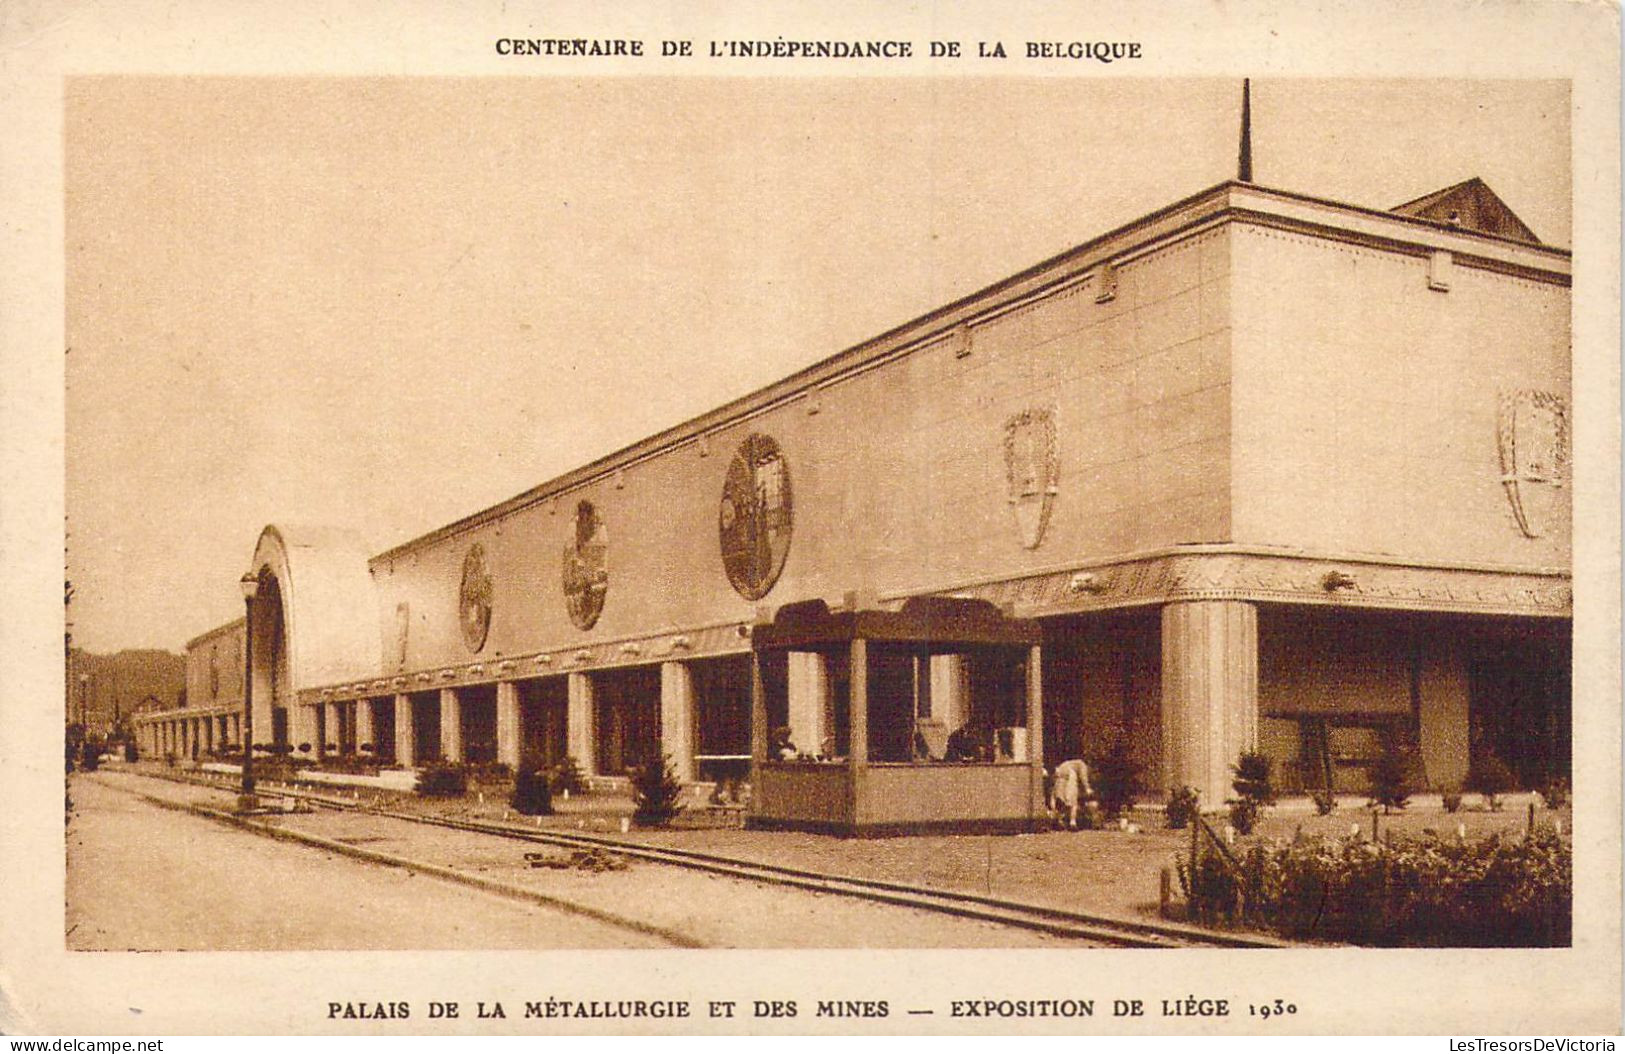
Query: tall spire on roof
1244, 165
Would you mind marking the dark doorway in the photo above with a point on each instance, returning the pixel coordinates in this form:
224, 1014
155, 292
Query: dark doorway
426, 726
1519, 704
626, 711
544, 706
383, 729
478, 714
721, 716
279, 727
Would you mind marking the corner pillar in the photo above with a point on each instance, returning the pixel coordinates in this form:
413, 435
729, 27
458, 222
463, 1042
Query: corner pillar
1209, 693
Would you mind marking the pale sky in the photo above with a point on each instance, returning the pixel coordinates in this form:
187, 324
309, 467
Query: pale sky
387, 304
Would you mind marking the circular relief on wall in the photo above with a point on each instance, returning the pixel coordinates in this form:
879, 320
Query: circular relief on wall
754, 519
474, 599
586, 570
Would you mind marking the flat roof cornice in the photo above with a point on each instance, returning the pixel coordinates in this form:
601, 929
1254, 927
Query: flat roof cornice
219, 630
1223, 203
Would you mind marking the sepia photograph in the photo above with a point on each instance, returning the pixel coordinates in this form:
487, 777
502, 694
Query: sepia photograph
1221, 546
1020, 517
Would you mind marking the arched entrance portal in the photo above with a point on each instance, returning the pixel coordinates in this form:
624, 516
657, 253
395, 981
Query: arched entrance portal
272, 686
313, 585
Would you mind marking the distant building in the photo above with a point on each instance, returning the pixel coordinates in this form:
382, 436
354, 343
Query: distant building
1259, 470
210, 710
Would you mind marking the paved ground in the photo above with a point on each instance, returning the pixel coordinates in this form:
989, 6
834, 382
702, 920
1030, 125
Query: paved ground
145, 878
119, 834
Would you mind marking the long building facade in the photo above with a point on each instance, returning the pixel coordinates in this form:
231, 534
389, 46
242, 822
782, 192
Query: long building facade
1264, 471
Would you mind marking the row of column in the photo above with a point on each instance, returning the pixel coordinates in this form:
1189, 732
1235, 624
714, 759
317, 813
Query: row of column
1209, 706
188, 736
676, 722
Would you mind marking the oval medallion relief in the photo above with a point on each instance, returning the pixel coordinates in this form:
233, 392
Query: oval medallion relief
474, 599
755, 517
586, 568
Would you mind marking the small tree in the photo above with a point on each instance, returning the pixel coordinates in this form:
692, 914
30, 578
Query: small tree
1116, 779
1488, 775
655, 791
1390, 775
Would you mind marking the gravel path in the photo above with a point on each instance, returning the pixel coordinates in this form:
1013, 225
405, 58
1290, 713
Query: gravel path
144, 878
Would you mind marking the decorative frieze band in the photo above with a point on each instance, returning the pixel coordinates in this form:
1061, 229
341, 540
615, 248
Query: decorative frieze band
727, 639
1287, 580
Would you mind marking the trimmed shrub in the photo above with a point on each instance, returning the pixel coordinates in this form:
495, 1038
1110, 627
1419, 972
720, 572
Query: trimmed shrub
442, 779
532, 794
1325, 801
1451, 799
655, 792
490, 771
1497, 892
90, 755
567, 777
1182, 808
1554, 792
1244, 815
130, 752
304, 748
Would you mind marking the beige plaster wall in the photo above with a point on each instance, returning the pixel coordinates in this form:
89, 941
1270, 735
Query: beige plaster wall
1365, 403
226, 642
897, 474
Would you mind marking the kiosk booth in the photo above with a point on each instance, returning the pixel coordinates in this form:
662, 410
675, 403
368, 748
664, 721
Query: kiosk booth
872, 722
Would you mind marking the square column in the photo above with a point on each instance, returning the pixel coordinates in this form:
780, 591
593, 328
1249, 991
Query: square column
304, 730
363, 725
807, 692
1035, 732
405, 741
1209, 693
578, 730
508, 724
451, 725
333, 728
677, 718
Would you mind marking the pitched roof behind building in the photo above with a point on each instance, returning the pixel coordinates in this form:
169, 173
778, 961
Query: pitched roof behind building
1473, 205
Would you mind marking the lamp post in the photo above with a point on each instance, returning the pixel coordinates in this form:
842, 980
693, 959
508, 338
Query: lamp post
251, 586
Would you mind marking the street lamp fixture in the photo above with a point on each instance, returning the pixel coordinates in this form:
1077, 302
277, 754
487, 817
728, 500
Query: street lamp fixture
251, 586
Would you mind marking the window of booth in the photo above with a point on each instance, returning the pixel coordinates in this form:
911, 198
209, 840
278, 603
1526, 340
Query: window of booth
809, 704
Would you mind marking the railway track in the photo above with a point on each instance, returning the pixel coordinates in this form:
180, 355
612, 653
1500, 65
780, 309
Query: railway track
1129, 933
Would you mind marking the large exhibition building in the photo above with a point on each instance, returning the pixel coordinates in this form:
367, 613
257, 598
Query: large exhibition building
1257, 470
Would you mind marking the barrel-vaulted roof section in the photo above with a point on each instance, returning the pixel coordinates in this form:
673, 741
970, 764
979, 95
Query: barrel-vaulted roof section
328, 602
1228, 202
